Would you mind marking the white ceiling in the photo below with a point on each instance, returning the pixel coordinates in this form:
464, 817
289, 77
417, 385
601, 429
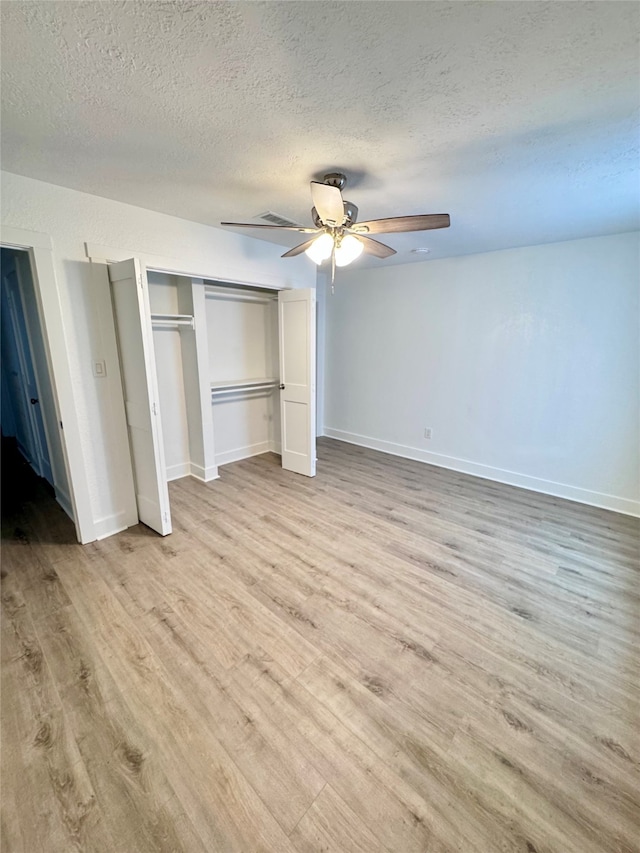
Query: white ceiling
519, 119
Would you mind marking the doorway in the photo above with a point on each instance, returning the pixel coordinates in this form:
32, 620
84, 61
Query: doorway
28, 416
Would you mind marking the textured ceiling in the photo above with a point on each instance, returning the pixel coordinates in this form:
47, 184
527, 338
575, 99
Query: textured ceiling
518, 119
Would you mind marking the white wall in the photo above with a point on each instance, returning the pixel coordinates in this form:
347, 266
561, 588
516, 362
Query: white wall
525, 363
71, 219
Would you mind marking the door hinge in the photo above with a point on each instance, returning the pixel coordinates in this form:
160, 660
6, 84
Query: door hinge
140, 280
61, 427
166, 517
154, 409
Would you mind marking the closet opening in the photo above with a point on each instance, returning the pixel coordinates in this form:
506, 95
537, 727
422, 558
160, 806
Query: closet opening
240, 344
213, 372
242, 331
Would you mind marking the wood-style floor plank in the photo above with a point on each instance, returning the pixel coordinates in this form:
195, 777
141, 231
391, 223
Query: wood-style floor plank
388, 806
389, 656
48, 802
329, 824
138, 803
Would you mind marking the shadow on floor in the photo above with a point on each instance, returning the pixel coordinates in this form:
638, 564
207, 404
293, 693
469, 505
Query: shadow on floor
25, 494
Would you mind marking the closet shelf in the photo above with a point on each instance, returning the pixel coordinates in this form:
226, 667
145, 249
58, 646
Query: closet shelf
236, 386
172, 320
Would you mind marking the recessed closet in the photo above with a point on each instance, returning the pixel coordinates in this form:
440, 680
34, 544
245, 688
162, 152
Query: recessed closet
212, 372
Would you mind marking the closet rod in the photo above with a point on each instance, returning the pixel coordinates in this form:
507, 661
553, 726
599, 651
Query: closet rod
239, 297
172, 320
242, 389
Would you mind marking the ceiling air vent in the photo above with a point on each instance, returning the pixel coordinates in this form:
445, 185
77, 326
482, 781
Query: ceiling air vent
275, 219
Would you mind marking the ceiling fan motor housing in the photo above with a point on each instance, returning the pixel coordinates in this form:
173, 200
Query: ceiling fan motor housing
335, 179
350, 215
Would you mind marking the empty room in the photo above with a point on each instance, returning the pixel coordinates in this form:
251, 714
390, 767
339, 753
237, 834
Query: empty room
320, 409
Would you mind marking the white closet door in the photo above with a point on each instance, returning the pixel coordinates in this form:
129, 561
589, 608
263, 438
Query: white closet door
297, 325
130, 294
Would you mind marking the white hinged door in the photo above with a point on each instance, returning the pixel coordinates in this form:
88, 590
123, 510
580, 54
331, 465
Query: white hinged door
20, 375
297, 325
130, 294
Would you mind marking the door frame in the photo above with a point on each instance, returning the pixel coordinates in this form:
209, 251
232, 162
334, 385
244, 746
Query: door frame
24, 352
48, 300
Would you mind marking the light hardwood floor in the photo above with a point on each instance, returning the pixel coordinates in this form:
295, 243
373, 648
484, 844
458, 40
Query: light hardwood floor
388, 657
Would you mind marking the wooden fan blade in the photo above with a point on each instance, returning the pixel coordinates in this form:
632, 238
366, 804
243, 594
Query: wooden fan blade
374, 247
396, 224
302, 247
298, 228
327, 200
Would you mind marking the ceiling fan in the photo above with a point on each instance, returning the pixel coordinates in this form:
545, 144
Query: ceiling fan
337, 234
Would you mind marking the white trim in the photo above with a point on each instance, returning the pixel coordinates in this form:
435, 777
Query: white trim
245, 452
18, 238
64, 500
176, 472
190, 469
205, 475
109, 525
171, 266
48, 301
487, 472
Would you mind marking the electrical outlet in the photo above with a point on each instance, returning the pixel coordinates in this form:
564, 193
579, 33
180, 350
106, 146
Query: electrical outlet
428, 432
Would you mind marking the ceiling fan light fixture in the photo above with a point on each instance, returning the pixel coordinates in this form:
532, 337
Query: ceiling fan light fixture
349, 249
320, 249
337, 234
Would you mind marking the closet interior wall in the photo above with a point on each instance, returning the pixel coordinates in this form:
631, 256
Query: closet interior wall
239, 329
242, 331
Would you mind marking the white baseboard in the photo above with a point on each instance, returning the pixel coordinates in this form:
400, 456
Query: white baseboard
190, 469
245, 452
205, 475
175, 472
487, 472
111, 524
65, 502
